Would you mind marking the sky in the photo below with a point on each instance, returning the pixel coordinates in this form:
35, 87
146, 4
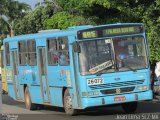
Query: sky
31, 2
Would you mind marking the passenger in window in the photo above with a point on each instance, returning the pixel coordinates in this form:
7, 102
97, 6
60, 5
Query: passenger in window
54, 53
63, 59
55, 58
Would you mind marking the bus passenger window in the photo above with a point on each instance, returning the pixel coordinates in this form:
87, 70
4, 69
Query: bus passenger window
32, 52
22, 53
52, 51
63, 51
7, 53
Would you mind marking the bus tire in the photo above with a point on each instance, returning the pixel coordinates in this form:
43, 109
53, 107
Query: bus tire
130, 107
28, 103
67, 101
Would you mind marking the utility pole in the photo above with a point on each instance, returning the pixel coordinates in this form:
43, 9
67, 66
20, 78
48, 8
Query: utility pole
6, 19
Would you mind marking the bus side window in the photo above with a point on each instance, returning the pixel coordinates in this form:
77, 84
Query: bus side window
52, 51
63, 51
31, 45
7, 53
22, 52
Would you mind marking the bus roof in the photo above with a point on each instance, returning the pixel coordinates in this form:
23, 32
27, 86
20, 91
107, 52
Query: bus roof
70, 31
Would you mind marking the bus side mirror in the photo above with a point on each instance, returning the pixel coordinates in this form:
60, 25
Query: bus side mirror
76, 47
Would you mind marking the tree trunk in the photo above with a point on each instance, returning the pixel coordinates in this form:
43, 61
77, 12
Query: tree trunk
11, 32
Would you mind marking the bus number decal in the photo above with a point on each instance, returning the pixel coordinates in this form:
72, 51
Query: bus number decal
89, 34
95, 81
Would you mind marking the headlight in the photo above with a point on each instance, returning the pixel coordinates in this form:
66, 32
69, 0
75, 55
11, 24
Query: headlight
145, 87
93, 93
90, 93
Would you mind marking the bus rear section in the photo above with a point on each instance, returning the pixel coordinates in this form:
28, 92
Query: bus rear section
113, 66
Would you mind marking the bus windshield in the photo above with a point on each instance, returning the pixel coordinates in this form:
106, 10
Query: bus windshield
112, 54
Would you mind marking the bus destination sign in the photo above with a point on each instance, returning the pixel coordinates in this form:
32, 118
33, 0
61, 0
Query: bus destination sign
123, 30
109, 31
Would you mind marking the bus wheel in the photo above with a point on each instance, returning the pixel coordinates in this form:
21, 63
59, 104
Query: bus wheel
29, 105
130, 107
68, 104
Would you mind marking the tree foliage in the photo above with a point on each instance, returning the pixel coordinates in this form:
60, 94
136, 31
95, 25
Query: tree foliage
11, 10
152, 23
62, 20
34, 21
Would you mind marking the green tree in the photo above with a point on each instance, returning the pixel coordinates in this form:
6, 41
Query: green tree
62, 20
34, 21
152, 23
12, 10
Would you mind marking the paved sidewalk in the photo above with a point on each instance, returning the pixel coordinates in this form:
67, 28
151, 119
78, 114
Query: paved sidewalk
0, 97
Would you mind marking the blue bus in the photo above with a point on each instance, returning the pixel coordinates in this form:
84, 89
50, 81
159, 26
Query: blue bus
81, 67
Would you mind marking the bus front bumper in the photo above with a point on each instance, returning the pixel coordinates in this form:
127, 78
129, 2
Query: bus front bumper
117, 99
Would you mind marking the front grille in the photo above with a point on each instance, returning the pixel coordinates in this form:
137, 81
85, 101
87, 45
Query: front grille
118, 90
117, 84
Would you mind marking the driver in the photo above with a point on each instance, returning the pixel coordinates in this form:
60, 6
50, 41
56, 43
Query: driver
121, 52
120, 57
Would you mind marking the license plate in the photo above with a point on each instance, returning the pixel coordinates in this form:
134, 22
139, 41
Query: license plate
95, 81
120, 98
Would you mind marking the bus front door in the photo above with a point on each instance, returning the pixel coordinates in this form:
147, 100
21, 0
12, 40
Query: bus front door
16, 81
43, 74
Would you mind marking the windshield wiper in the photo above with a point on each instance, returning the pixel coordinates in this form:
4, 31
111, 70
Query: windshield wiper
130, 68
100, 72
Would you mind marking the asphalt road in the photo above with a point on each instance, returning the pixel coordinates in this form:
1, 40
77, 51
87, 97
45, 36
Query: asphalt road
146, 110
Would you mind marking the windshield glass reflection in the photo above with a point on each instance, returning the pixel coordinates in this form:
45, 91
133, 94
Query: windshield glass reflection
110, 55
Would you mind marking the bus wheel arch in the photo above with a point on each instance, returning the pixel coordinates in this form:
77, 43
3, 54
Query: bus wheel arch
67, 103
24, 87
27, 98
63, 90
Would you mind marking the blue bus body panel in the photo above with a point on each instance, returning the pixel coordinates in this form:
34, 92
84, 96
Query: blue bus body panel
113, 81
56, 96
109, 100
11, 92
